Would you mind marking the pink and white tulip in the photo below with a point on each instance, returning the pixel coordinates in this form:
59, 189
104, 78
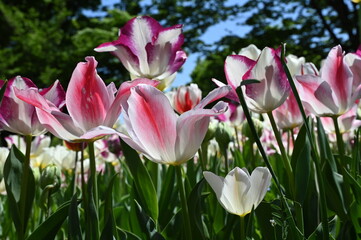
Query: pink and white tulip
89, 101
147, 50
186, 97
157, 131
332, 93
239, 192
20, 117
288, 115
273, 88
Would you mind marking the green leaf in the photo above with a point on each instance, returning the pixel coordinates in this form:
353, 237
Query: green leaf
195, 211
249, 81
301, 163
13, 173
356, 218
73, 220
109, 230
50, 227
143, 182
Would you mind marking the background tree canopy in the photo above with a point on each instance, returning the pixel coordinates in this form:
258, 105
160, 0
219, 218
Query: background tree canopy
44, 40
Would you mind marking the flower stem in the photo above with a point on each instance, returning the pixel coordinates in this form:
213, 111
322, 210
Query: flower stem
243, 229
322, 193
286, 161
185, 212
265, 158
340, 144
24, 187
93, 174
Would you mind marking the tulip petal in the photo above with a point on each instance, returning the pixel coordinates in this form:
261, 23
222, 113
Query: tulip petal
235, 68
213, 96
58, 123
273, 88
55, 94
261, 180
235, 190
87, 96
153, 121
339, 76
192, 127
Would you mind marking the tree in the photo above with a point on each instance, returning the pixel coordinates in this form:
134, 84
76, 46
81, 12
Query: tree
310, 28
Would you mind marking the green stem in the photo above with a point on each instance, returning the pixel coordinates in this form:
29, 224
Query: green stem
265, 158
340, 144
185, 212
243, 229
286, 161
316, 157
24, 187
93, 174
226, 162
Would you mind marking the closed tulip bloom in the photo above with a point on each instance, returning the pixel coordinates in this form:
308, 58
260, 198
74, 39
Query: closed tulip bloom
89, 101
20, 117
186, 97
157, 131
273, 88
288, 115
147, 50
332, 93
239, 192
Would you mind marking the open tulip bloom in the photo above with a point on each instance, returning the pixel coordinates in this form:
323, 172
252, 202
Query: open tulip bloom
147, 50
273, 88
157, 131
332, 93
20, 117
240, 192
89, 101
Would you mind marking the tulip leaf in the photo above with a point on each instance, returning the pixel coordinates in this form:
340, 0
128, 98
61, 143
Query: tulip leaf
50, 227
168, 196
142, 180
333, 180
13, 174
356, 218
301, 161
109, 230
195, 211
249, 81
73, 220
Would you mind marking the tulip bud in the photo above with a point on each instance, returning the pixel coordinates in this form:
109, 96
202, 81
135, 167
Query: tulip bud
50, 178
75, 146
246, 130
223, 135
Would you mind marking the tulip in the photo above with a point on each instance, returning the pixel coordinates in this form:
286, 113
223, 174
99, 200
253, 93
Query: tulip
186, 97
89, 101
251, 51
273, 88
331, 93
20, 117
288, 115
147, 50
157, 131
346, 122
239, 192
233, 115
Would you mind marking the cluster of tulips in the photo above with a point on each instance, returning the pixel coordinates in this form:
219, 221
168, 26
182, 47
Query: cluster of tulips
109, 168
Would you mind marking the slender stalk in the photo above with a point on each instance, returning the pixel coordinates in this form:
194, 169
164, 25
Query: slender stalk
24, 186
265, 158
243, 229
93, 174
226, 162
340, 144
286, 161
322, 194
185, 212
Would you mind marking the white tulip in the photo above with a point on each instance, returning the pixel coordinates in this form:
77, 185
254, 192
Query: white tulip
239, 192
